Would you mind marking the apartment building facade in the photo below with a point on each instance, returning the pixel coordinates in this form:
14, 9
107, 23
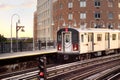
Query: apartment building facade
75, 13
86, 14
44, 20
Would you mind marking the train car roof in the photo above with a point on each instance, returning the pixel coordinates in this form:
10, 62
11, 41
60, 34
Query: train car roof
25, 54
96, 30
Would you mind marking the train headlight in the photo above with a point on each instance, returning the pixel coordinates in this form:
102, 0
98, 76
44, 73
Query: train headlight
59, 47
75, 47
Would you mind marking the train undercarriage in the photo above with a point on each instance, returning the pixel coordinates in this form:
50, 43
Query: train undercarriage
63, 58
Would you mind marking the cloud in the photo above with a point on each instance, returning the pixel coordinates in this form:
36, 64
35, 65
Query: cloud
6, 7
18, 4
28, 3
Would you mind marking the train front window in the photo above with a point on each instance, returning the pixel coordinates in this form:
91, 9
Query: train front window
67, 39
59, 38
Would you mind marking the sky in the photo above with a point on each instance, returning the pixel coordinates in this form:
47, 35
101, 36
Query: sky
25, 9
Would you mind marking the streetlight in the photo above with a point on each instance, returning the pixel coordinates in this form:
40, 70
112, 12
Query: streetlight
11, 50
17, 29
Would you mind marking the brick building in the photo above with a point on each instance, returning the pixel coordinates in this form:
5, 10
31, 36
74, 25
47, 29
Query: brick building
86, 14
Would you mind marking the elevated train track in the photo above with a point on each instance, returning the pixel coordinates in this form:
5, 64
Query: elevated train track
18, 63
64, 71
56, 72
115, 77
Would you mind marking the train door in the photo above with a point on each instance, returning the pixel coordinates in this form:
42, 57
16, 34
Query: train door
90, 42
67, 42
107, 41
119, 40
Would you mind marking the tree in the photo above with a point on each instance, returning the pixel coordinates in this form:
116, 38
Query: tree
2, 38
29, 40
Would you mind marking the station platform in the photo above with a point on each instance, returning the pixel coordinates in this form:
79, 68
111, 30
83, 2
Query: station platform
26, 54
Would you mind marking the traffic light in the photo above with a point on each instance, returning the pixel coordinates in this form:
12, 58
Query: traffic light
42, 67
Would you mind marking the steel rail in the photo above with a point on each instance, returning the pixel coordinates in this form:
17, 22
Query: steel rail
91, 71
102, 74
19, 74
113, 77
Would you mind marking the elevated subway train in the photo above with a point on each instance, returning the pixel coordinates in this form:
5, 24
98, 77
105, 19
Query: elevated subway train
88, 42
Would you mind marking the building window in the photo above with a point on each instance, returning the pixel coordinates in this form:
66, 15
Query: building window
99, 37
82, 3
97, 15
119, 16
97, 3
61, 17
70, 16
113, 36
110, 3
61, 6
82, 15
70, 4
110, 15
119, 4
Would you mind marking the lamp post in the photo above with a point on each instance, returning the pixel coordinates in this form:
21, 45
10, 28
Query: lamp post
11, 49
17, 29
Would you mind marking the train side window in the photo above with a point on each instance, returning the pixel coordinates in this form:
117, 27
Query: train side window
106, 36
90, 37
113, 36
119, 36
99, 37
82, 38
59, 38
